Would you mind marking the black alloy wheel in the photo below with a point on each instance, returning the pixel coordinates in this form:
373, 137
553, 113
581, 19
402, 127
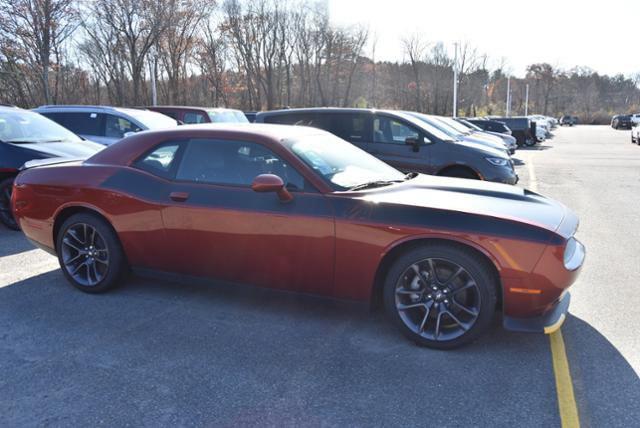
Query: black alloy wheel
440, 296
89, 253
6, 216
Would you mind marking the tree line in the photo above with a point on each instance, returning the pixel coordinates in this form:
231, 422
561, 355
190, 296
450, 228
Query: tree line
265, 54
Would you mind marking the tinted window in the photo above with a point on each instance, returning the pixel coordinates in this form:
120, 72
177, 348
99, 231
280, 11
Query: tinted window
160, 161
234, 163
171, 114
116, 127
80, 123
349, 126
388, 130
194, 117
314, 120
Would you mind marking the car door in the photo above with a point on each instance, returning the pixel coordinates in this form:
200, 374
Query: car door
388, 143
217, 226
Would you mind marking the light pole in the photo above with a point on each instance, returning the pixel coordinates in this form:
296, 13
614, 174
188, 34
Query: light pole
152, 72
526, 100
508, 96
455, 80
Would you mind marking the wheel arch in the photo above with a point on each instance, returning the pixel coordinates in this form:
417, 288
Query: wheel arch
458, 166
402, 246
67, 211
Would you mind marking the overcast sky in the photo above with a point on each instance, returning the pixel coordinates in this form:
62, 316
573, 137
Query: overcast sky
602, 35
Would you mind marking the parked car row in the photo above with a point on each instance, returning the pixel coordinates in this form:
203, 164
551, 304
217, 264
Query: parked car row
477, 148
409, 141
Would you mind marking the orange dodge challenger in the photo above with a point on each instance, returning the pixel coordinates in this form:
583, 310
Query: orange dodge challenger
299, 209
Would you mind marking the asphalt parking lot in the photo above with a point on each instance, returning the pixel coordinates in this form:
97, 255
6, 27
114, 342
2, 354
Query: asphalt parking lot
157, 353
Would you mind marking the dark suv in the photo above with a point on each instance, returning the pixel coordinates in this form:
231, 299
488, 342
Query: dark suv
522, 128
491, 126
403, 141
621, 121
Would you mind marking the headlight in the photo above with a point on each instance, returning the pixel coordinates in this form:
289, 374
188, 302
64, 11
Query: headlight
573, 254
498, 161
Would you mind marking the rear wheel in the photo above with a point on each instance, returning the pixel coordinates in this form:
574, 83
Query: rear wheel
440, 296
6, 216
89, 253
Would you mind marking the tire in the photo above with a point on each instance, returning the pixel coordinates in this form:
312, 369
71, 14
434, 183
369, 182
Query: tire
6, 216
459, 172
91, 262
407, 295
530, 142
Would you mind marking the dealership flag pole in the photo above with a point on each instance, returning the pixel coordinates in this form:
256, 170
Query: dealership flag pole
455, 80
526, 101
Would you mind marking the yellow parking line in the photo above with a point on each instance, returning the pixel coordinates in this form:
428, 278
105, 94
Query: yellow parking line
564, 384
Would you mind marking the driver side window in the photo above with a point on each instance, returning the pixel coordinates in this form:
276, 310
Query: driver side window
235, 163
116, 127
388, 130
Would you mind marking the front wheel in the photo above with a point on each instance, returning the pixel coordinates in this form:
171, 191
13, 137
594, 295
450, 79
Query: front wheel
6, 216
440, 296
89, 253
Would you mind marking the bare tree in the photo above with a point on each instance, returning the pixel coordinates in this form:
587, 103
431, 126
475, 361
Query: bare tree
177, 43
34, 31
137, 25
415, 48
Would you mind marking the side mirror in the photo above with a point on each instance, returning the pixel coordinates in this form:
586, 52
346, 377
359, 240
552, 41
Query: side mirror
414, 142
271, 183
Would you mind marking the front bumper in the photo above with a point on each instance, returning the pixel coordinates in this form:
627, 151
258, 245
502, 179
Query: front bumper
546, 323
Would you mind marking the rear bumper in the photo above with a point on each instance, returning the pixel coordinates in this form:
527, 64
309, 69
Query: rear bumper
546, 323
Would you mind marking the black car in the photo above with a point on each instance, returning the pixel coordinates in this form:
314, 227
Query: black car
404, 141
26, 136
251, 115
622, 121
522, 128
491, 125
568, 120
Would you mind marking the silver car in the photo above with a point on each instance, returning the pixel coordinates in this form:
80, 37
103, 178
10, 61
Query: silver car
105, 125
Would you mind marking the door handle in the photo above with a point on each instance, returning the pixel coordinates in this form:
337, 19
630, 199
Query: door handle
179, 196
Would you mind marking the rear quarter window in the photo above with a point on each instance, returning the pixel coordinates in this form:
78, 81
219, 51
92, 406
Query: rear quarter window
161, 160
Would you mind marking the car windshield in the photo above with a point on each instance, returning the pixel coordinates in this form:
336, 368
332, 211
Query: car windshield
29, 127
227, 116
453, 124
435, 127
342, 164
470, 125
152, 120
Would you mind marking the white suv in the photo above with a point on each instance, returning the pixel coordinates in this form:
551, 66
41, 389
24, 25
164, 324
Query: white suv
635, 132
105, 125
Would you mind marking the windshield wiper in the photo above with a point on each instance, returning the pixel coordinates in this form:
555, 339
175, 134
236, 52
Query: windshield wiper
373, 184
382, 183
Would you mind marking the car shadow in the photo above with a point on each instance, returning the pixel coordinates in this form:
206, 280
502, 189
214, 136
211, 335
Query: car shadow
518, 162
13, 242
159, 351
607, 388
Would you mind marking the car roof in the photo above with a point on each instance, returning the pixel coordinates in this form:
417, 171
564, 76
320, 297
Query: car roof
131, 147
10, 108
87, 108
192, 108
